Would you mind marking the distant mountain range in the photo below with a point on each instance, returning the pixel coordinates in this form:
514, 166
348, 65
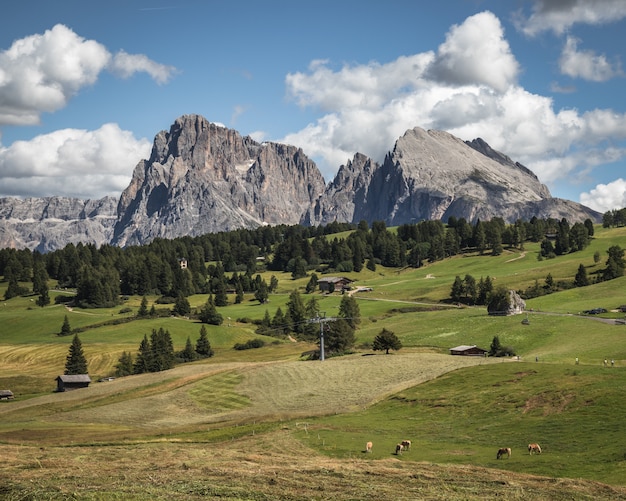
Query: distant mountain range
203, 178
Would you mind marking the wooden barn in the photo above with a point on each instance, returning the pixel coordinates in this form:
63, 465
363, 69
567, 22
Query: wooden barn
468, 351
68, 382
328, 284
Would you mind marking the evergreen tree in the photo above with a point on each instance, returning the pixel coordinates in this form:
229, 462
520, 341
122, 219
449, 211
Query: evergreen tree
615, 263
188, 354
203, 346
471, 290
386, 340
66, 330
495, 347
162, 350
182, 307
143, 308
311, 284
239, 294
581, 278
209, 314
273, 284
124, 366
265, 327
339, 337
349, 310
296, 311
143, 362
457, 289
40, 283
76, 363
262, 293
371, 264
279, 323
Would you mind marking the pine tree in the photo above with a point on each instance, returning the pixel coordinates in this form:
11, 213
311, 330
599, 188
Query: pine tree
188, 354
124, 365
311, 284
386, 340
143, 362
209, 314
181, 306
66, 330
581, 278
162, 350
349, 310
76, 363
143, 308
203, 346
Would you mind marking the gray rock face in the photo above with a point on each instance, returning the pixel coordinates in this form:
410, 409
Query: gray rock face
346, 197
434, 175
204, 178
46, 224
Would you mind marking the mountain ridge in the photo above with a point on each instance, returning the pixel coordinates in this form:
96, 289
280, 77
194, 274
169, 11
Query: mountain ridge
202, 177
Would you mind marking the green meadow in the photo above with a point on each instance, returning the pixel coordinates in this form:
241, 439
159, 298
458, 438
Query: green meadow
266, 424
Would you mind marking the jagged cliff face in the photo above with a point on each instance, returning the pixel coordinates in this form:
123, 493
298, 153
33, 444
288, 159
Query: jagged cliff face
434, 175
46, 224
204, 178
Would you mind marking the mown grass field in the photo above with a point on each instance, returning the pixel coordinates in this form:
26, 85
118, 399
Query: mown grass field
262, 424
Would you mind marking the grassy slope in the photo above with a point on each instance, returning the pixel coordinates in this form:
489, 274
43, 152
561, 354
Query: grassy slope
456, 419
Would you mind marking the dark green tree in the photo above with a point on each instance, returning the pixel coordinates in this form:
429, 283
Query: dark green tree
143, 362
495, 346
349, 311
498, 301
188, 354
124, 366
143, 308
297, 312
209, 314
615, 263
162, 350
339, 337
386, 340
66, 330
262, 293
182, 307
311, 284
203, 346
581, 280
76, 363
40, 283
458, 290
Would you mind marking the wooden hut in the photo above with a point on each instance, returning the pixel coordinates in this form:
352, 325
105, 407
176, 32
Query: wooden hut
68, 382
468, 351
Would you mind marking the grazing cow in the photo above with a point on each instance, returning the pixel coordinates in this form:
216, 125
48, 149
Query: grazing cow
368, 447
502, 451
534, 448
399, 449
406, 444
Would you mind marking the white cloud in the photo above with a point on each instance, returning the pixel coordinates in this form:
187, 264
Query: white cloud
560, 15
586, 64
126, 65
72, 162
605, 197
366, 111
40, 73
476, 52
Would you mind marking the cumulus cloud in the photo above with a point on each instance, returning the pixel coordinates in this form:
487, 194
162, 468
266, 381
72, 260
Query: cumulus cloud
41, 72
476, 52
366, 111
560, 15
605, 197
72, 162
586, 64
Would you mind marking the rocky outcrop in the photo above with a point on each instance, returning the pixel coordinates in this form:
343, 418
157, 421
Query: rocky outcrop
46, 224
203, 178
346, 197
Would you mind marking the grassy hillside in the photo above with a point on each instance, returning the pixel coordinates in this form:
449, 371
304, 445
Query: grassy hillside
260, 424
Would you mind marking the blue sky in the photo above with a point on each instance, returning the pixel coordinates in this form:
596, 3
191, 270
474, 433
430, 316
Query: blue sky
85, 86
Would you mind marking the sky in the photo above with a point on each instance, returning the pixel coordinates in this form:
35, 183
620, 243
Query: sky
86, 86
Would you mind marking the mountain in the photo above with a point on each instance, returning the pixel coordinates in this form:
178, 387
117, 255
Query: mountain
202, 177
46, 224
434, 175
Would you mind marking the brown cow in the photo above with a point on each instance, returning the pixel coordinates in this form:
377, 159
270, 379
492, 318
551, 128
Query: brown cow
534, 448
406, 444
368, 447
502, 451
399, 449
